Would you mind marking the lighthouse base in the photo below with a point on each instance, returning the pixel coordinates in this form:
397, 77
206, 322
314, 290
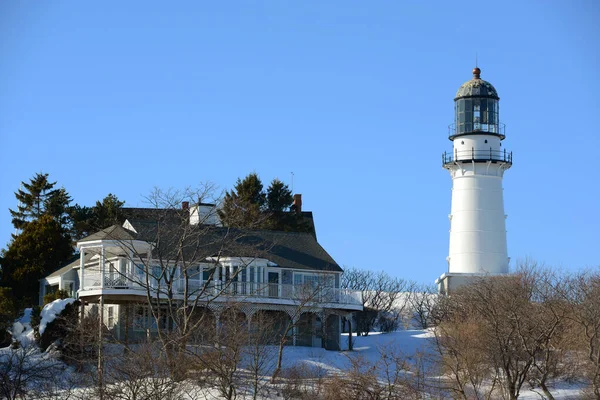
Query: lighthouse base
449, 282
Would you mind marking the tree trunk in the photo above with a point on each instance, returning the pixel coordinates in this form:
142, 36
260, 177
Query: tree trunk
545, 390
279, 360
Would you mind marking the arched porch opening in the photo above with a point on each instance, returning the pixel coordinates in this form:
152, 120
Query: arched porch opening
270, 325
309, 330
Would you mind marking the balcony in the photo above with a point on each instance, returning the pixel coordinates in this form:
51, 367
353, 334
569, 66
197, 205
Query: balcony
473, 155
116, 283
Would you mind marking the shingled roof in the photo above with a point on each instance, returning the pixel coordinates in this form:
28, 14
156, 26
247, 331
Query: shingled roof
72, 263
113, 232
295, 250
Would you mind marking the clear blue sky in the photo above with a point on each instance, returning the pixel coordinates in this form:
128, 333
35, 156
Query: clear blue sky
353, 97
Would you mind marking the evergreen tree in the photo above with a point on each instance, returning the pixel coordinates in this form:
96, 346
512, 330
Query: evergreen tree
279, 196
82, 217
87, 220
58, 206
33, 198
107, 212
244, 206
41, 248
8, 313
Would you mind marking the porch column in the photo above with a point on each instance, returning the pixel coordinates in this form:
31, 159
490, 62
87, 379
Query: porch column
131, 269
102, 267
82, 267
148, 272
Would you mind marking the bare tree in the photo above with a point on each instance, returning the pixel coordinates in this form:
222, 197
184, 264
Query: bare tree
23, 369
258, 354
176, 254
583, 295
306, 298
546, 335
422, 301
461, 346
381, 295
223, 360
388, 378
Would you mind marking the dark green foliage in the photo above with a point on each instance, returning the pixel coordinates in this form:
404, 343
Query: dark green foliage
61, 328
243, 207
59, 294
87, 220
279, 196
82, 217
58, 206
35, 320
33, 198
249, 206
8, 313
37, 251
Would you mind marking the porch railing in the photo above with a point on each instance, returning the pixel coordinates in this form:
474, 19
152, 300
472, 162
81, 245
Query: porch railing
306, 293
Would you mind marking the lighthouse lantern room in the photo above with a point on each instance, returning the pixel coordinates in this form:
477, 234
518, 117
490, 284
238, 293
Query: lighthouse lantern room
476, 164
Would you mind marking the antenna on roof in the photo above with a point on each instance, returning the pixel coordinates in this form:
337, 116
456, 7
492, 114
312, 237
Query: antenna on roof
292, 181
476, 60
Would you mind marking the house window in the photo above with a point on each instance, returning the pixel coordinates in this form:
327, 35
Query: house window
306, 279
325, 280
140, 318
208, 273
111, 317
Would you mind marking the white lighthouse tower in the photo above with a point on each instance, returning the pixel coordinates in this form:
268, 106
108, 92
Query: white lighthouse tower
476, 164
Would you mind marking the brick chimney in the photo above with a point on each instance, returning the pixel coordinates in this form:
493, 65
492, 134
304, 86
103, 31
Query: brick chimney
185, 205
297, 206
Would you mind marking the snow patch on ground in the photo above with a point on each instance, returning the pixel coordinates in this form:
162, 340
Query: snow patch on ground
51, 310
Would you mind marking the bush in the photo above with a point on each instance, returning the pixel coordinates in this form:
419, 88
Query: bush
61, 327
59, 294
388, 323
302, 382
8, 313
36, 319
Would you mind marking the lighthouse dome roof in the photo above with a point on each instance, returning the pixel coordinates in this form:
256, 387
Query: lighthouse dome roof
477, 87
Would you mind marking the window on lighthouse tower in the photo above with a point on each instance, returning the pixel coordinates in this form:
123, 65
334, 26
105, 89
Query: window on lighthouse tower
476, 114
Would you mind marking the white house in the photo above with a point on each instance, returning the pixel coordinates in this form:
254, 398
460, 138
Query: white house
186, 253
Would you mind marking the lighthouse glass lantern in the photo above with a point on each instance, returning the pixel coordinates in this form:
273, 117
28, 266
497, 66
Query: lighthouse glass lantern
476, 164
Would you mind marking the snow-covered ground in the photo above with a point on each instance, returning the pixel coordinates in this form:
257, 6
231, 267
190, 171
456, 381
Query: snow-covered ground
409, 342
369, 348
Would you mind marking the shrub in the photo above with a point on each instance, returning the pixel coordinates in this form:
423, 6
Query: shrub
8, 313
59, 294
387, 323
61, 327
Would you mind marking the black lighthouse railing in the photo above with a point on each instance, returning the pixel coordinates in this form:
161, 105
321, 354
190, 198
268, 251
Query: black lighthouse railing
476, 127
495, 156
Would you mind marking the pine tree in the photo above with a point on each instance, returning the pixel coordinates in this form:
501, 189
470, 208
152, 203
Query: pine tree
279, 200
107, 212
279, 196
41, 248
58, 206
87, 220
8, 312
244, 206
32, 200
